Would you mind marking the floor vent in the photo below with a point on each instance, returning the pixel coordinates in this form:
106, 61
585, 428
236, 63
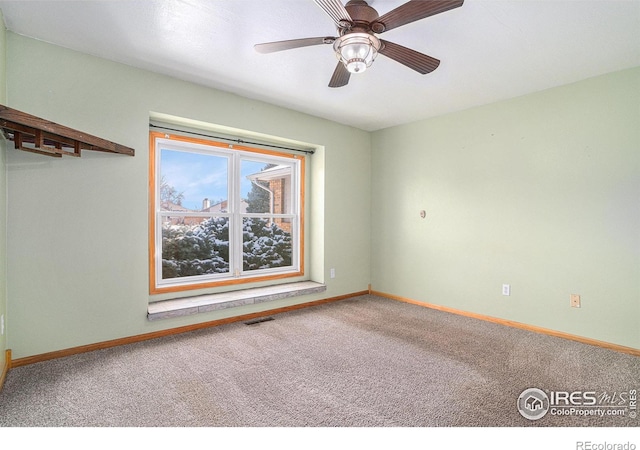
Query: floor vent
260, 320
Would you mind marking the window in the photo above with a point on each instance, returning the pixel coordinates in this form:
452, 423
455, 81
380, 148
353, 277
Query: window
222, 214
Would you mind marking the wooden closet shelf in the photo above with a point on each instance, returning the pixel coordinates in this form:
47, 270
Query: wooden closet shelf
36, 135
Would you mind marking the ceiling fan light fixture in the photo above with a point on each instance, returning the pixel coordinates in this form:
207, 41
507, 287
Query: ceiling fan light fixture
357, 51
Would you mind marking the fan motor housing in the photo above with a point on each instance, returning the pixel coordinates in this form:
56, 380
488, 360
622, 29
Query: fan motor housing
362, 15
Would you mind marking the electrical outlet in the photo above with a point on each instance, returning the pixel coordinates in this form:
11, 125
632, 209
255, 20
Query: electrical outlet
575, 300
2, 325
506, 289
332, 273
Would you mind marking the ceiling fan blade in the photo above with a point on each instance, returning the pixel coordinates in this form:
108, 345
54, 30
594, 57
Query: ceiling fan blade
414, 60
269, 47
340, 76
336, 10
412, 11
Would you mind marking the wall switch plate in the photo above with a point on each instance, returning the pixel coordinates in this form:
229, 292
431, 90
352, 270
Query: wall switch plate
575, 300
506, 289
2, 325
332, 273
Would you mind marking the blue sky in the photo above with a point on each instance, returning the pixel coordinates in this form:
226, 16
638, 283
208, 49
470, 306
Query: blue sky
199, 176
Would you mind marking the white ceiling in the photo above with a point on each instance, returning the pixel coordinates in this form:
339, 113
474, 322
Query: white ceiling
490, 50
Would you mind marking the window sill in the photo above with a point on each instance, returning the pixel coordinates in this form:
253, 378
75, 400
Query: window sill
167, 309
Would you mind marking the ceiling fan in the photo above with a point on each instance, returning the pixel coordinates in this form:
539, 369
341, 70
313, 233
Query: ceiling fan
357, 45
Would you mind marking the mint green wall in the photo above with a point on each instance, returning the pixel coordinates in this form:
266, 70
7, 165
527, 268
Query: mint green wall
539, 192
3, 198
77, 248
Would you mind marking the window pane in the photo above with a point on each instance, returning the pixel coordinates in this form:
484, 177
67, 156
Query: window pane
266, 187
215, 206
193, 181
265, 243
194, 246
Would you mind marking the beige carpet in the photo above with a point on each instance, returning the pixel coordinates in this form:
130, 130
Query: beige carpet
361, 362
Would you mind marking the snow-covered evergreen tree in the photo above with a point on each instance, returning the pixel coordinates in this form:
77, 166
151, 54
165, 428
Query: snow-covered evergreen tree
264, 245
199, 249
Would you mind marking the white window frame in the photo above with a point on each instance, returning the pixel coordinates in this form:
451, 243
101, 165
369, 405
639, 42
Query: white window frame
234, 154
